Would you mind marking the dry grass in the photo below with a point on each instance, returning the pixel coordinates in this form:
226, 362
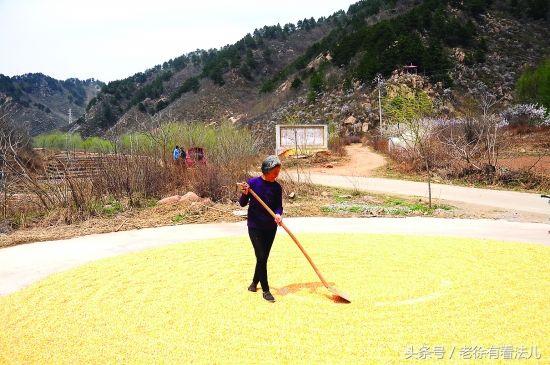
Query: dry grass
73, 186
189, 303
309, 201
54, 226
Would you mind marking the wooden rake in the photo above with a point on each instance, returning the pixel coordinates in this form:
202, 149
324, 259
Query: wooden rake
332, 289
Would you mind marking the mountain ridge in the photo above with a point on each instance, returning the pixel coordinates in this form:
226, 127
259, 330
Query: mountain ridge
455, 45
41, 103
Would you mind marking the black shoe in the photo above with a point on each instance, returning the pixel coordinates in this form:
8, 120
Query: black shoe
253, 288
267, 296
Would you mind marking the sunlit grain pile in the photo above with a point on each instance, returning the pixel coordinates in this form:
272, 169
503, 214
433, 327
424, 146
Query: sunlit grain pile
189, 302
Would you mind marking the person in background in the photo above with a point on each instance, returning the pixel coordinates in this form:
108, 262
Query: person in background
183, 154
261, 225
176, 153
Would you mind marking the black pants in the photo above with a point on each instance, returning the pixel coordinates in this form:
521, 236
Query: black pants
262, 240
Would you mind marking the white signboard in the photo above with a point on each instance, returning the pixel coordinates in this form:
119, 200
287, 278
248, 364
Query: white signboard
303, 138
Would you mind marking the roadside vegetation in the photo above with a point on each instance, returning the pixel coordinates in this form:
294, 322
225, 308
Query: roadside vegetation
69, 179
484, 142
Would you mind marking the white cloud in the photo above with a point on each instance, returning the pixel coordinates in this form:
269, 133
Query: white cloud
113, 39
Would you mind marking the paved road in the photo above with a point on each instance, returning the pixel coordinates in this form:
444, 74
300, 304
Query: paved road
508, 200
24, 264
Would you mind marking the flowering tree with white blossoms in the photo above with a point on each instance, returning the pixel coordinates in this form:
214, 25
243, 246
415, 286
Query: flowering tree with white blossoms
531, 115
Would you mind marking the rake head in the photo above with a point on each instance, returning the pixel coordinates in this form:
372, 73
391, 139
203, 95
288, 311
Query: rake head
339, 294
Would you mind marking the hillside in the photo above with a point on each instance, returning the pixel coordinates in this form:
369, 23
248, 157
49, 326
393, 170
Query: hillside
202, 85
323, 70
41, 103
214, 84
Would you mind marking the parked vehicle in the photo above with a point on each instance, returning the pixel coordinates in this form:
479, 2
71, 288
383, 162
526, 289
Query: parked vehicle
194, 156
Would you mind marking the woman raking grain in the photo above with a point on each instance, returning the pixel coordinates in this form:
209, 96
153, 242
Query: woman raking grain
262, 227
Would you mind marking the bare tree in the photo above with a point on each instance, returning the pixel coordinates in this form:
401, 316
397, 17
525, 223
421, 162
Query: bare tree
15, 161
474, 138
4, 182
419, 136
160, 135
489, 126
462, 142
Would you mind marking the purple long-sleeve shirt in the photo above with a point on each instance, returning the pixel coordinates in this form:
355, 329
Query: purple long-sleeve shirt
272, 194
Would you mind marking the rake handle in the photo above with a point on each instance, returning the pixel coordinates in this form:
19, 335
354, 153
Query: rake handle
292, 236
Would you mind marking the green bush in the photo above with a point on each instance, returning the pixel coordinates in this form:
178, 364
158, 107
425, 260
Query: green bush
405, 107
72, 141
296, 83
534, 85
317, 82
96, 144
221, 142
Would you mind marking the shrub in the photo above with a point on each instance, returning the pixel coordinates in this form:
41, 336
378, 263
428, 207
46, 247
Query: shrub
73, 142
529, 115
296, 83
533, 86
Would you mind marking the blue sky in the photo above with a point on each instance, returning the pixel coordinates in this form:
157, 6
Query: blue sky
113, 39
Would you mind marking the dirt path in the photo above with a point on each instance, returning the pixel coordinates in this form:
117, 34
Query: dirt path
362, 162
23, 265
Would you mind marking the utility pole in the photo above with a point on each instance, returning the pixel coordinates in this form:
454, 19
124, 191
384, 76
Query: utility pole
296, 153
3, 181
379, 81
67, 134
